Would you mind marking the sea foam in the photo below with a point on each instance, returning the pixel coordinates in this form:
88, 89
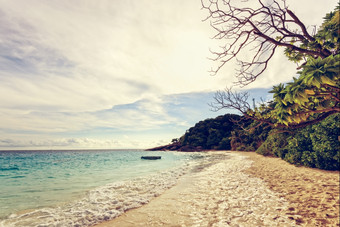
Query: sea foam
102, 203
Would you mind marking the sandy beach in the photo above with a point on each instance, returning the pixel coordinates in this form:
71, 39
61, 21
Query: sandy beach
313, 194
243, 189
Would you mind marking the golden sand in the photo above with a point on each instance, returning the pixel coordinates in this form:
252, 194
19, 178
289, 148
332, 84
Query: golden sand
313, 194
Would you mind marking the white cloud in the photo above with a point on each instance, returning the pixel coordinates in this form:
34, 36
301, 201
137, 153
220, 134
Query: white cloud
103, 51
145, 123
84, 69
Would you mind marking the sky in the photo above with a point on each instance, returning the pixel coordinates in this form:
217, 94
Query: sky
115, 74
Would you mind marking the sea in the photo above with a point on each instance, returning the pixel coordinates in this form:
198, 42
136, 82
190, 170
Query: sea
83, 187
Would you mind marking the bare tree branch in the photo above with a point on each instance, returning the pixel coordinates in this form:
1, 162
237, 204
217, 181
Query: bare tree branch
265, 27
229, 99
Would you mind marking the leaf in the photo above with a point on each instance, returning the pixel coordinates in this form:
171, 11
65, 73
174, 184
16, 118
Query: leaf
309, 92
333, 70
297, 119
290, 120
290, 111
316, 83
328, 81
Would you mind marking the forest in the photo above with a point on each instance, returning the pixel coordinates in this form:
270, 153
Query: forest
315, 146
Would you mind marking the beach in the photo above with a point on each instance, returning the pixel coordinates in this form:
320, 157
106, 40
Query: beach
313, 194
243, 189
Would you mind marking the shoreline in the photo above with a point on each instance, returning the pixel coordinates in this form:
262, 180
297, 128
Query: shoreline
103, 185
247, 189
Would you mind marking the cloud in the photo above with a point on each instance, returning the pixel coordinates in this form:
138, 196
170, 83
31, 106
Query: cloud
64, 143
145, 123
22, 51
76, 73
100, 55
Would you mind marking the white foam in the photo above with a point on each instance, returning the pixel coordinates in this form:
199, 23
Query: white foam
102, 203
233, 198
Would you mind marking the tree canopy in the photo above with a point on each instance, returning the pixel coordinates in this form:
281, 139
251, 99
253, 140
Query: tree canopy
309, 98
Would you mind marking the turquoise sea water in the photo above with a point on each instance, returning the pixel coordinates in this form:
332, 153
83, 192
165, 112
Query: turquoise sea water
80, 188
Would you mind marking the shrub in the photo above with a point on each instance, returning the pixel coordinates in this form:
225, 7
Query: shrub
274, 144
315, 146
224, 144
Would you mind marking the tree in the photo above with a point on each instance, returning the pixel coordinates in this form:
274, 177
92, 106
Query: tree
308, 99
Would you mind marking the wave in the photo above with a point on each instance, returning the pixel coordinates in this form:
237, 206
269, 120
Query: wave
14, 177
101, 204
9, 168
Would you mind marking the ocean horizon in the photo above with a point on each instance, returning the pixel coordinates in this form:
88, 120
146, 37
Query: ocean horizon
82, 187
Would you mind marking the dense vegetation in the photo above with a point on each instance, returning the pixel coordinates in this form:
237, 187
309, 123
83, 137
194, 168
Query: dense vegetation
211, 133
315, 146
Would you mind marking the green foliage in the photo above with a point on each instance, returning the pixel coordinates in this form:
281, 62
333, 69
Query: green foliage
211, 133
224, 144
316, 92
329, 33
250, 137
222, 133
274, 144
327, 37
315, 146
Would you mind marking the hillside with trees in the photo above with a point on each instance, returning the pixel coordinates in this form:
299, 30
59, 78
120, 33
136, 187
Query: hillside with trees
211, 134
315, 146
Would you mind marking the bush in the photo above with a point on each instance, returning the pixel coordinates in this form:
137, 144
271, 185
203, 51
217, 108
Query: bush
224, 144
325, 142
309, 159
315, 146
274, 144
251, 138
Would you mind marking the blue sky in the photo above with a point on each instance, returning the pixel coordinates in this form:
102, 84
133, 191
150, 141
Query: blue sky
114, 73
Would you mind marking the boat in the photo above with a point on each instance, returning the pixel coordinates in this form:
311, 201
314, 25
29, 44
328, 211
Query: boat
151, 157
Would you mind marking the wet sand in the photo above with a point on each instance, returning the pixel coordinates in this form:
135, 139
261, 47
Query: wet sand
243, 189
